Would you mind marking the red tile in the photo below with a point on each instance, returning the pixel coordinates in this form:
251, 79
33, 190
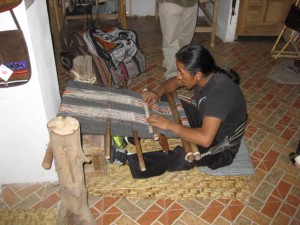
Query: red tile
99, 205
233, 210
9, 196
288, 209
273, 104
109, 218
271, 206
260, 83
150, 67
271, 155
267, 165
281, 218
293, 126
212, 211
172, 215
255, 216
248, 134
149, 217
293, 200
137, 88
255, 162
175, 206
48, 202
262, 166
95, 212
161, 203
113, 210
108, 202
285, 120
28, 190
99, 220
268, 97
287, 134
163, 219
283, 188
279, 127
260, 105
257, 154
168, 202
296, 103
246, 85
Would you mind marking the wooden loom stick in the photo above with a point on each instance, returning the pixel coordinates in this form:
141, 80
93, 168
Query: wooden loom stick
107, 142
154, 130
108, 127
186, 145
138, 150
161, 138
195, 151
163, 141
48, 158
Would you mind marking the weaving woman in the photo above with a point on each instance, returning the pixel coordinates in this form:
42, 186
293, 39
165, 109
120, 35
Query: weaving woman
217, 121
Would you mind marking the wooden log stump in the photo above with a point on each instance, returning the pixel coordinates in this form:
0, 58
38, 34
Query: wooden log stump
69, 158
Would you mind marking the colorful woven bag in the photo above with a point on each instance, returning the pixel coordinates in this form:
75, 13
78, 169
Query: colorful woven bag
15, 66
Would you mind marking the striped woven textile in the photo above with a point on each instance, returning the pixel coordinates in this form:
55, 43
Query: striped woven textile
96, 107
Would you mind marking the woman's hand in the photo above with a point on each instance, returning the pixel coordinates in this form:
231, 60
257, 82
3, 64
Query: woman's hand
159, 121
150, 97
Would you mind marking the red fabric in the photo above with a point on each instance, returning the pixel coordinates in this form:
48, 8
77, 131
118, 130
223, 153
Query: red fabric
6, 5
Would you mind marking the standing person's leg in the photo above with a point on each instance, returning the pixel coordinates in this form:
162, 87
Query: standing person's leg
170, 16
187, 25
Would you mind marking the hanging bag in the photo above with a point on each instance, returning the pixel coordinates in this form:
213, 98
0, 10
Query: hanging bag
15, 66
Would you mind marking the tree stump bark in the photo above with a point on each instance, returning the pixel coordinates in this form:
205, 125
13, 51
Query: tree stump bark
65, 143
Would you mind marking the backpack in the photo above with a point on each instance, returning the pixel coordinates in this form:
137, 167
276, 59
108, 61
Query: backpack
120, 49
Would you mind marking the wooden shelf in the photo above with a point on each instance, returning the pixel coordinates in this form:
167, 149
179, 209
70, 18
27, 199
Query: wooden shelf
121, 15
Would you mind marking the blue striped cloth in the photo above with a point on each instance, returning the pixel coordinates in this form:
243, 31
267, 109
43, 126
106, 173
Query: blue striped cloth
241, 165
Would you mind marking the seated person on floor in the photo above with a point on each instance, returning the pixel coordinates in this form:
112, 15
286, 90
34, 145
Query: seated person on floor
220, 113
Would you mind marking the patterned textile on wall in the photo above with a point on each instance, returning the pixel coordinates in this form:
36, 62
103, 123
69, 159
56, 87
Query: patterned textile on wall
96, 107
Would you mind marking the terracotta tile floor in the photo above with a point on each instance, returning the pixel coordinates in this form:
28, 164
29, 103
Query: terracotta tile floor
272, 133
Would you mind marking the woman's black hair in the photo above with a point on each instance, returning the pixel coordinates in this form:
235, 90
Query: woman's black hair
229, 73
196, 58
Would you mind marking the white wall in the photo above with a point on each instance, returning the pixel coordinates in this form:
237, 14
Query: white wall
140, 7
226, 23
25, 110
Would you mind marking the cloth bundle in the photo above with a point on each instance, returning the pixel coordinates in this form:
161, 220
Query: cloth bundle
119, 48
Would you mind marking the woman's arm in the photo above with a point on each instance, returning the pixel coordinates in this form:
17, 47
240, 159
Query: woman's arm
169, 85
203, 136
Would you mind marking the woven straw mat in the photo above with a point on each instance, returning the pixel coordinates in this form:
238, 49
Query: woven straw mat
179, 185
30, 216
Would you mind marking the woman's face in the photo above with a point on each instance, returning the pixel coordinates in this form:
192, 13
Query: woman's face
185, 77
